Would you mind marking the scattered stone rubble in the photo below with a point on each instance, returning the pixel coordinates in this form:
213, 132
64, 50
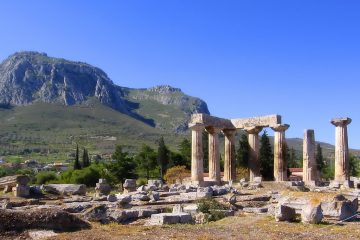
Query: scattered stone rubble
153, 200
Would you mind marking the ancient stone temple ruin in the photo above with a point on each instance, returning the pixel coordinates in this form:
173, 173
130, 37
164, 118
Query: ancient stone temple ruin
253, 126
214, 126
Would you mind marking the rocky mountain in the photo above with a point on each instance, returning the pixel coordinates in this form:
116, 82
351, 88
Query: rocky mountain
31, 77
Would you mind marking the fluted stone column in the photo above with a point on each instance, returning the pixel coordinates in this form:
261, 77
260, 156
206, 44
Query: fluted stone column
341, 149
309, 157
254, 146
280, 168
229, 162
197, 156
214, 154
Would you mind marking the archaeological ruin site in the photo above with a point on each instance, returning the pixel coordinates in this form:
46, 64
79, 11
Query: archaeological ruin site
200, 198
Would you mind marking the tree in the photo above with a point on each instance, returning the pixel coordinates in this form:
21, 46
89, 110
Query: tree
354, 167
123, 166
185, 151
320, 164
266, 157
77, 164
85, 159
146, 160
162, 156
242, 155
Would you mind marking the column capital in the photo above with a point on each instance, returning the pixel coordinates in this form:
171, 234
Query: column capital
212, 130
229, 132
196, 126
253, 130
340, 121
280, 127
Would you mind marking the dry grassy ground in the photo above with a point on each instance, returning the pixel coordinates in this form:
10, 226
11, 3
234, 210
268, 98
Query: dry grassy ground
240, 227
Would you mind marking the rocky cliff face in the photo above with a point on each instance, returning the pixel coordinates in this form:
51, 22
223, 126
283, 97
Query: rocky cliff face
29, 77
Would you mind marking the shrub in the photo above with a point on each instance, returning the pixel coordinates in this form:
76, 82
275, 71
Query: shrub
242, 172
212, 208
45, 177
176, 174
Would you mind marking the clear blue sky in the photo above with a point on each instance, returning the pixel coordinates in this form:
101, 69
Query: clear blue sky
300, 59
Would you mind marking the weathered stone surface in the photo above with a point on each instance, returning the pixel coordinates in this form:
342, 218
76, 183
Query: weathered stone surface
13, 180
178, 208
97, 213
129, 185
155, 196
197, 156
255, 210
102, 188
262, 121
65, 189
340, 207
254, 146
111, 198
140, 197
76, 207
309, 156
52, 219
280, 166
191, 208
21, 190
229, 161
170, 218
123, 198
214, 154
220, 190
157, 182
312, 214
284, 213
341, 149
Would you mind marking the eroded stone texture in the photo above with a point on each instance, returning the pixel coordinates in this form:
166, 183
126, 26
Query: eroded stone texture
262, 121
197, 156
309, 157
254, 145
280, 167
214, 154
210, 121
229, 163
341, 149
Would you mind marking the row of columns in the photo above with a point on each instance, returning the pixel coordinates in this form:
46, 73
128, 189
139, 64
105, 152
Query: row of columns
197, 168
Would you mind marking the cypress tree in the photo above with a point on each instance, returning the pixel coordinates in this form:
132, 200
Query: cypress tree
266, 157
319, 158
242, 154
85, 158
77, 164
162, 157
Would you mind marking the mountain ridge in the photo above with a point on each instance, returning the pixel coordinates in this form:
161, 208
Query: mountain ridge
29, 77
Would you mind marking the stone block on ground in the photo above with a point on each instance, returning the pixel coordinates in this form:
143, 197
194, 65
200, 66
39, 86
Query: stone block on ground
123, 198
65, 189
154, 196
111, 198
170, 218
284, 213
129, 185
312, 214
255, 210
340, 207
21, 190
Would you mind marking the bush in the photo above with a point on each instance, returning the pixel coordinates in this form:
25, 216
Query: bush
212, 208
176, 174
45, 177
88, 176
242, 172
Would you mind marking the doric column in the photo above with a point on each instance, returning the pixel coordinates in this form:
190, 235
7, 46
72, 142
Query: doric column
197, 156
229, 163
341, 149
280, 168
253, 161
214, 154
309, 157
